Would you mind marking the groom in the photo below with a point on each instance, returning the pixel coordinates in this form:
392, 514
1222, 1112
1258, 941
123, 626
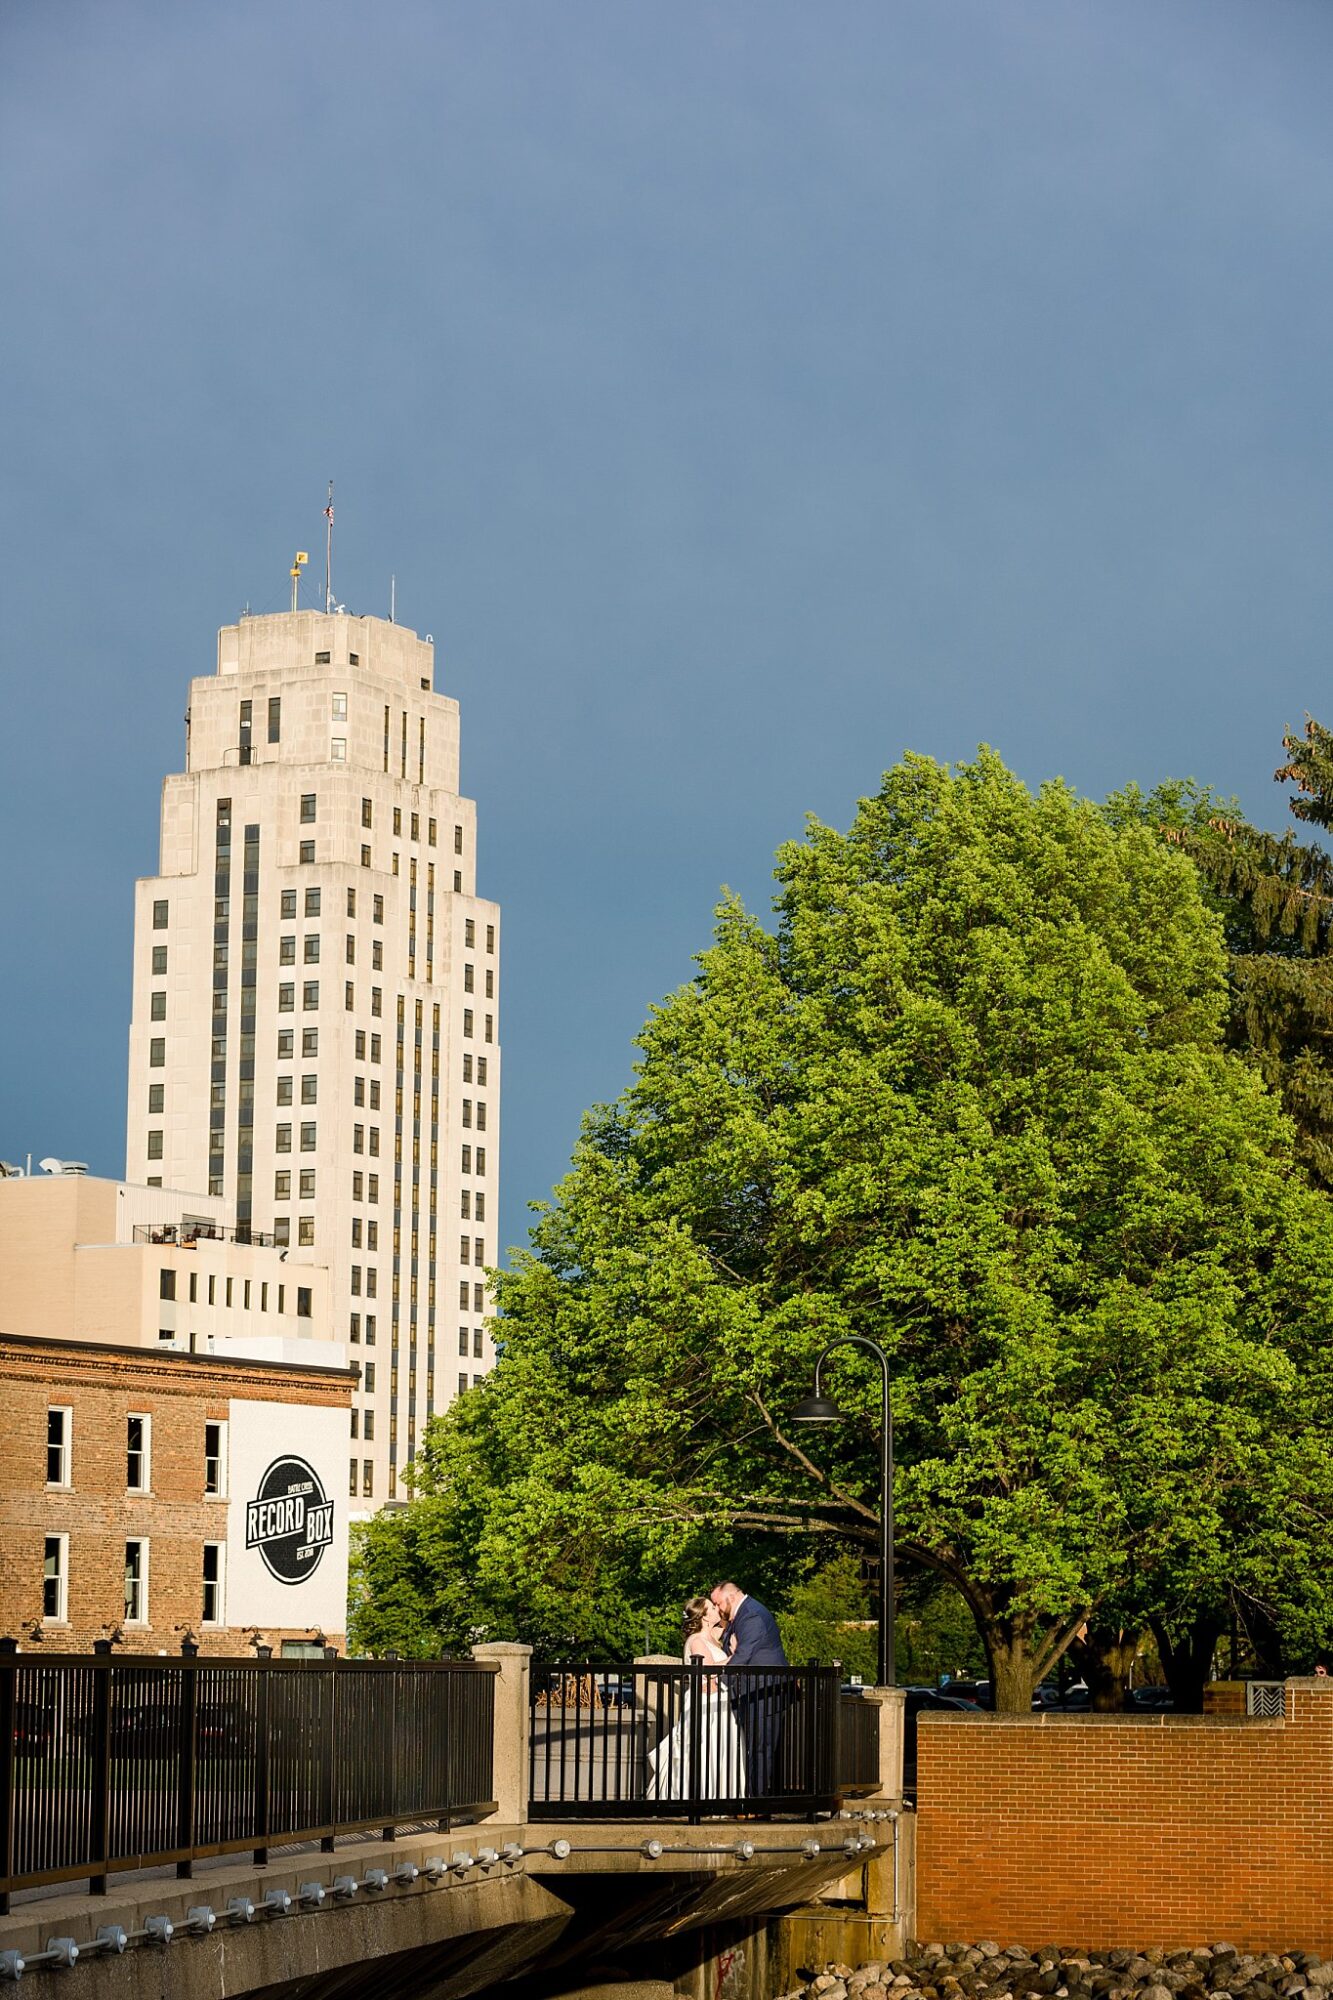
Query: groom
750, 1638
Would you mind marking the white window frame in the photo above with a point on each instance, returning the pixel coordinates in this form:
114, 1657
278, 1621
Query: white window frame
61, 1615
218, 1585
145, 1453
66, 1480
139, 1618
220, 1424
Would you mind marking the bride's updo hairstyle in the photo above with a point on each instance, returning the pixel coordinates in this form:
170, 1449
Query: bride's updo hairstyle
696, 1610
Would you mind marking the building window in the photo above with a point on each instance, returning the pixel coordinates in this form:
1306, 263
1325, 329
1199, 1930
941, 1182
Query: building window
312, 949
312, 902
370, 1378
306, 852
368, 1478
338, 710
481, 1114
349, 949
307, 808
288, 906
55, 1574
467, 1021
286, 997
157, 1052
356, 1281
305, 1232
490, 937
430, 832
159, 916
310, 1041
282, 1139
157, 1007
481, 1159
307, 1183
377, 910
481, 1070
458, 881
356, 1232
349, 996
463, 1340
374, 1141
309, 1089
284, 1090
368, 1426
416, 826
138, 1466
275, 718
352, 1471
59, 1443
159, 960
467, 1159
376, 1000
286, 1039
166, 1283
372, 1187
467, 1069
372, 1281
469, 979
136, 1583
156, 1099
282, 1186
303, 1298
476, 1343
370, 1329
462, 1384
338, 750
308, 1137
310, 995
478, 1298
322, 659
358, 1138
397, 821
365, 856
458, 840
490, 1027
215, 1555
481, 1207
282, 1230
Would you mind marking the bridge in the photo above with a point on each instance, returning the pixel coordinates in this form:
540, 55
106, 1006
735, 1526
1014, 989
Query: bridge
307, 1829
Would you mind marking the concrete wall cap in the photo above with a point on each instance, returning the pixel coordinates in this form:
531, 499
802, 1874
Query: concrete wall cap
501, 1649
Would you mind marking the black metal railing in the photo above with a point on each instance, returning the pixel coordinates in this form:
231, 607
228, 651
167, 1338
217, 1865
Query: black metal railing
858, 1745
126, 1763
678, 1742
187, 1234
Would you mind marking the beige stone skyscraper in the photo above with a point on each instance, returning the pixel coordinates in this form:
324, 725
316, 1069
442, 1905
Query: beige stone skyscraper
316, 1001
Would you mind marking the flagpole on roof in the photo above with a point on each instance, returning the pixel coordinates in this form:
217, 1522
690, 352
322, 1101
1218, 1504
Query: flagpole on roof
328, 553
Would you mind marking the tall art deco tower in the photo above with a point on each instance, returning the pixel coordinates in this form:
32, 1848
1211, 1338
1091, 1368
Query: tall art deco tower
316, 998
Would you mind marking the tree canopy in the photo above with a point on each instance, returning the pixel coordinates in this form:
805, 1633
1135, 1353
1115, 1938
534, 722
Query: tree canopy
970, 1095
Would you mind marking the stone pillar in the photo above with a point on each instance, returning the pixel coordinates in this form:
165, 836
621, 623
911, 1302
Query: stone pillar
892, 1704
512, 1726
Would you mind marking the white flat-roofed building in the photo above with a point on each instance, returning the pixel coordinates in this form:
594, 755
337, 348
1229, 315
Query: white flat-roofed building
88, 1259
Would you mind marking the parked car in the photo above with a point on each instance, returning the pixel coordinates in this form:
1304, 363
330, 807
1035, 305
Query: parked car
1152, 1698
1050, 1695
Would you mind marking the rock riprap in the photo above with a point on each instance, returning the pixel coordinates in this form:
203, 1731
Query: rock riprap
1062, 1972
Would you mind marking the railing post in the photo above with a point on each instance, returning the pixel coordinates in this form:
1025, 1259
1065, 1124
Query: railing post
694, 1779
513, 1727
328, 1842
186, 1753
263, 1656
394, 1724
892, 1706
9, 1670
99, 1800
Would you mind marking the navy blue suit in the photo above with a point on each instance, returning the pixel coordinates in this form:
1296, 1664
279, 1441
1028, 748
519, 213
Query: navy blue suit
757, 1699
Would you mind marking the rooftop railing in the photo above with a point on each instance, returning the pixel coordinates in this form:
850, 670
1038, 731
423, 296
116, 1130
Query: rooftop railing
188, 1233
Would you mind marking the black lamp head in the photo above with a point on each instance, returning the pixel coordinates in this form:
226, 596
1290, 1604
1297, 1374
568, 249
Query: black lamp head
816, 1410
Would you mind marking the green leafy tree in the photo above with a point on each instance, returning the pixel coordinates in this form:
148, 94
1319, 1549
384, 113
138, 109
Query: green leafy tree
828, 1618
971, 1097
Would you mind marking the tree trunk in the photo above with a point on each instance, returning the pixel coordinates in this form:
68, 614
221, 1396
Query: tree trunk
1187, 1659
1013, 1675
1104, 1656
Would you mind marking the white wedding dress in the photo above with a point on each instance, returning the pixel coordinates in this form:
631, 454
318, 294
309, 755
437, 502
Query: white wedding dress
721, 1744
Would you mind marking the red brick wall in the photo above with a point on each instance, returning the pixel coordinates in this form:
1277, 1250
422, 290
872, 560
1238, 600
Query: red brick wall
1107, 1831
102, 1385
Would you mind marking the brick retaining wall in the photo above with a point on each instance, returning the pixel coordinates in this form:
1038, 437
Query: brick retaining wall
1108, 1831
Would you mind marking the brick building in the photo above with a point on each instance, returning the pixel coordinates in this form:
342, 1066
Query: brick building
148, 1496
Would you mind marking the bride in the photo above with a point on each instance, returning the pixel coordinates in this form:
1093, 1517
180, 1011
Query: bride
721, 1745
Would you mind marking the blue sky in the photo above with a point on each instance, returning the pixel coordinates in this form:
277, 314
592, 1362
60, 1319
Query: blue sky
742, 394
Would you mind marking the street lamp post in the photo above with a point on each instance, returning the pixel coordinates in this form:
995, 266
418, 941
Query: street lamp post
821, 1409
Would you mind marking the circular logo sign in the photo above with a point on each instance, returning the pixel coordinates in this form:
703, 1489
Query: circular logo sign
290, 1519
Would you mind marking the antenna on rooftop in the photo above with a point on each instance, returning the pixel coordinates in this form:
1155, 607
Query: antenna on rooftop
393, 590
328, 553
